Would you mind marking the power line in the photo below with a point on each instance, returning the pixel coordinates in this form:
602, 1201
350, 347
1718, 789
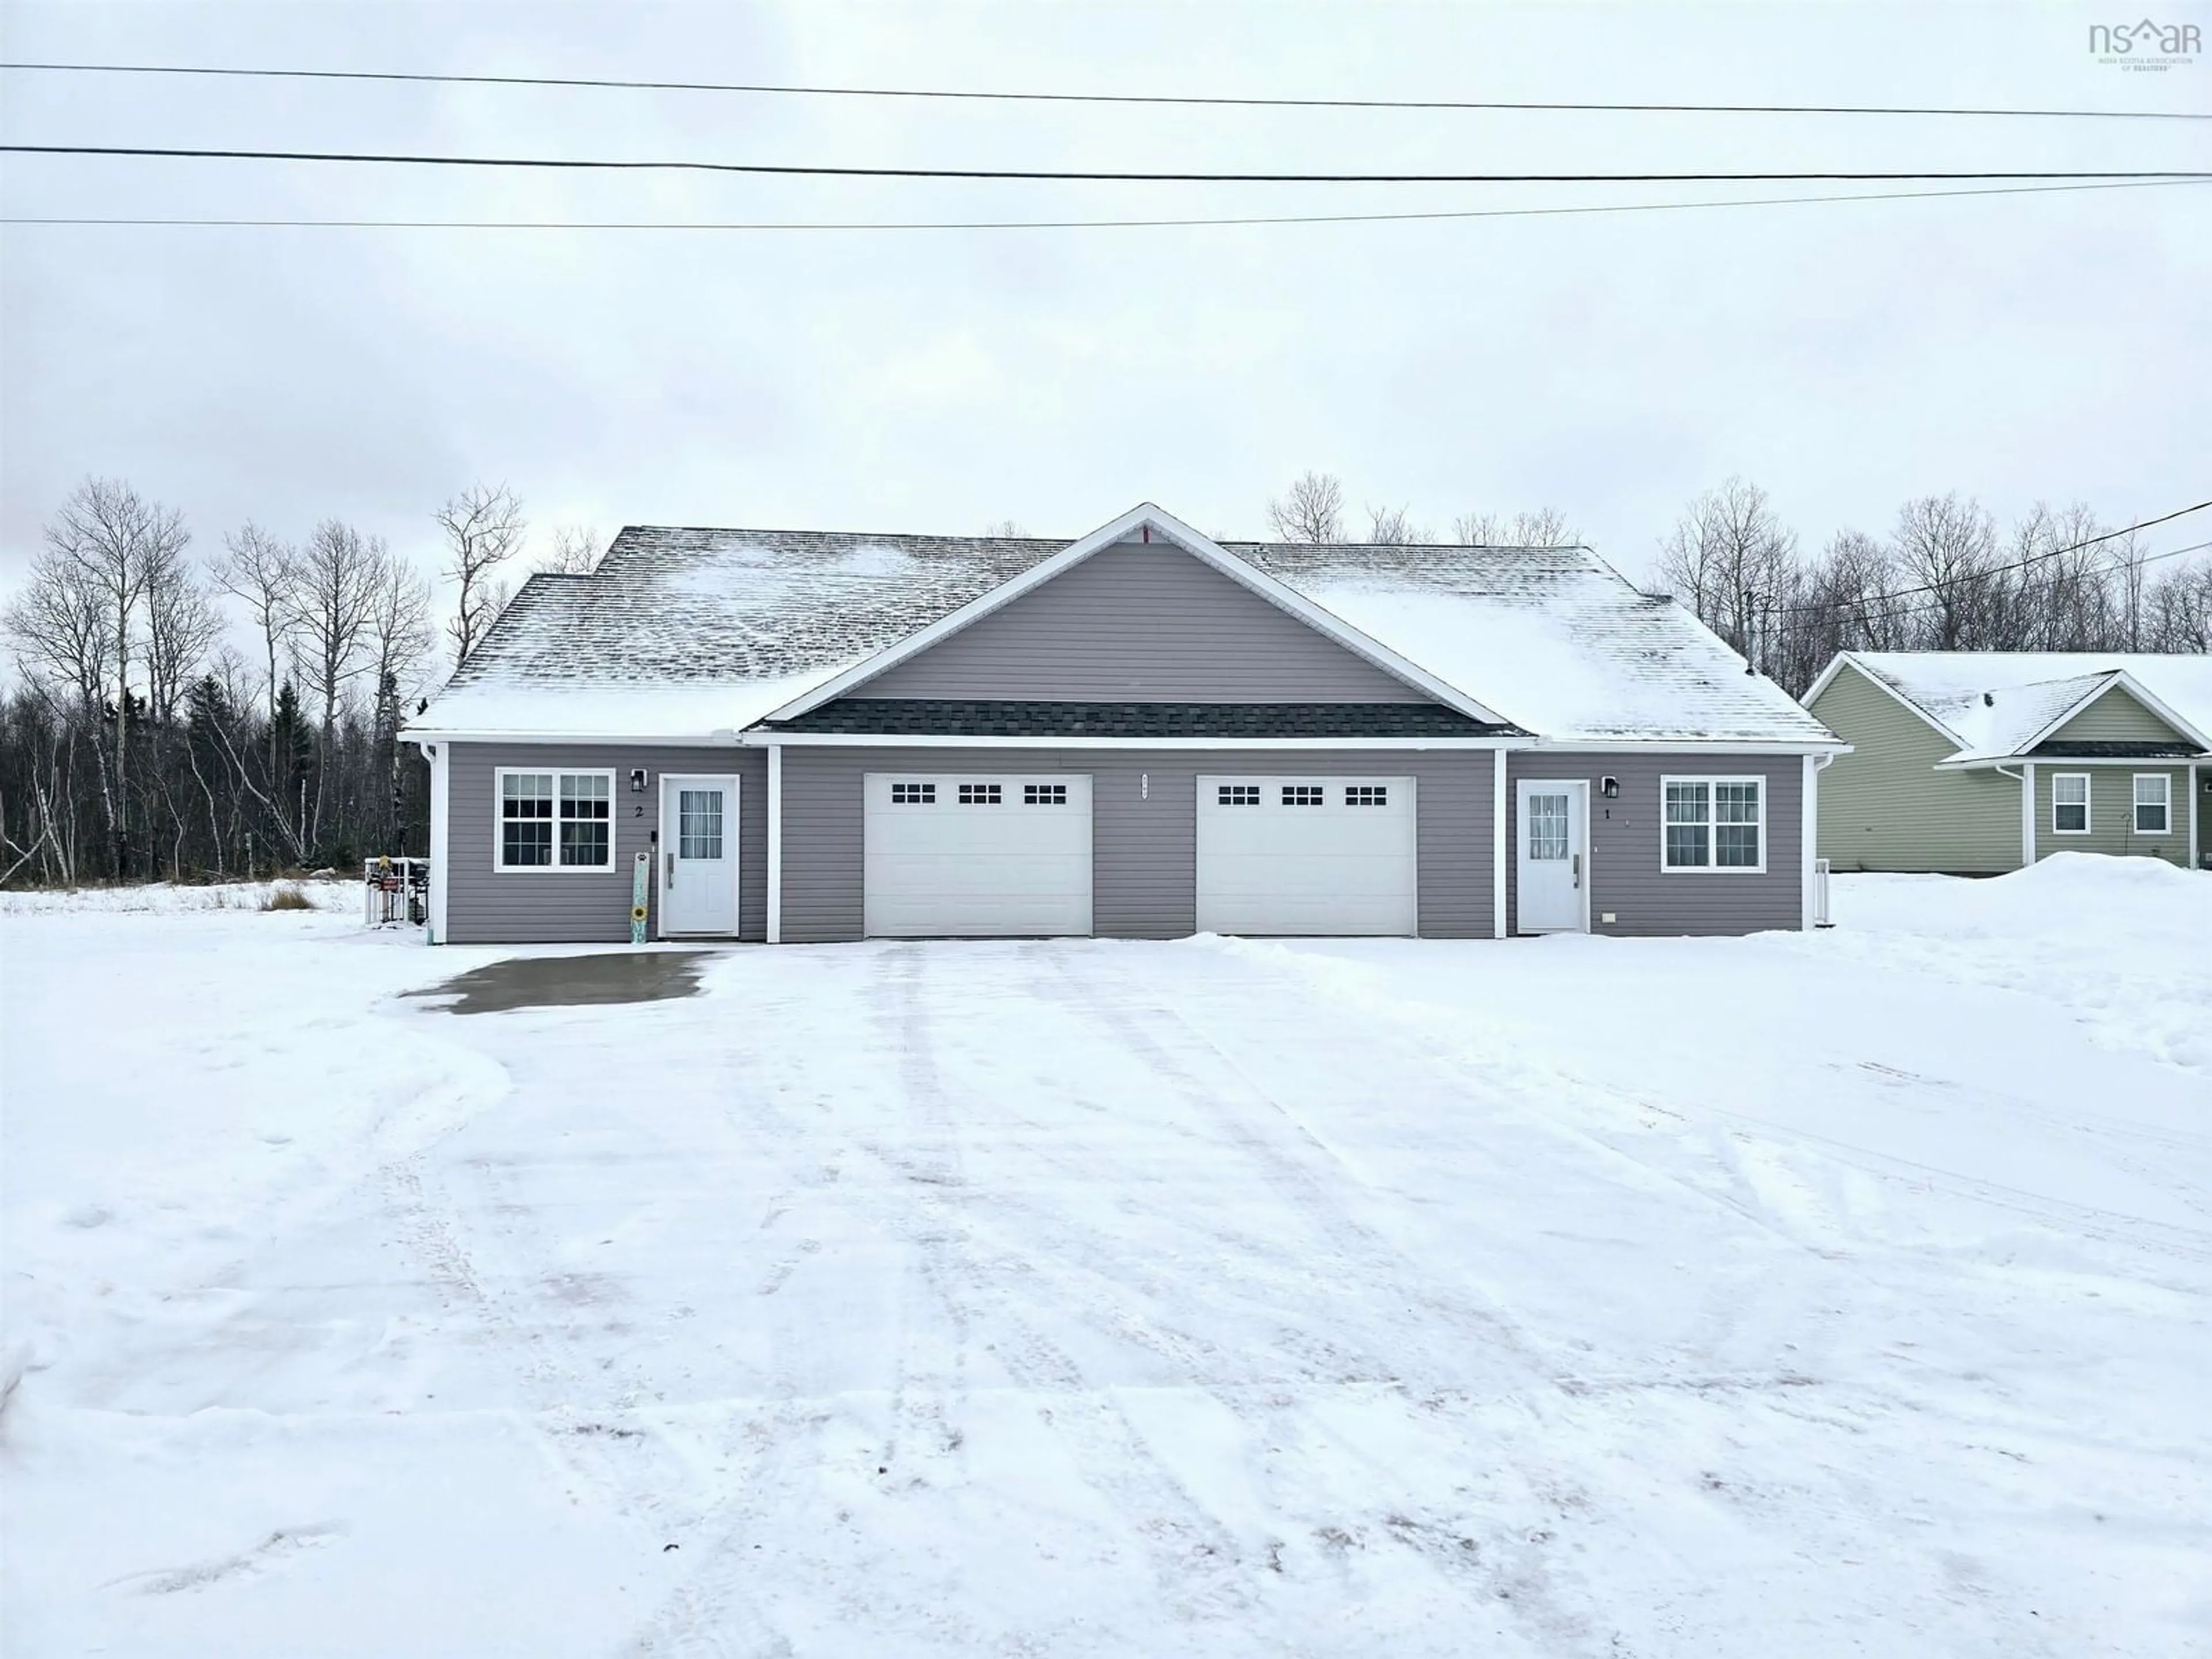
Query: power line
2018, 564
1211, 101
1059, 176
892, 225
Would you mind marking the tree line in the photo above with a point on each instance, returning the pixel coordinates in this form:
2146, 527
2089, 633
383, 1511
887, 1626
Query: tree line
1946, 576
139, 742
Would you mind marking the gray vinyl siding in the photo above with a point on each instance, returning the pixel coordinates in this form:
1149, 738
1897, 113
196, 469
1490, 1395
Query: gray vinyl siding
489, 906
1147, 623
2111, 813
1625, 876
1144, 828
2116, 717
1884, 806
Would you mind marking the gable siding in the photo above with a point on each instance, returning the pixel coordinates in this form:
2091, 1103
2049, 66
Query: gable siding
2116, 717
2111, 813
1884, 806
1625, 876
1144, 828
489, 906
1147, 623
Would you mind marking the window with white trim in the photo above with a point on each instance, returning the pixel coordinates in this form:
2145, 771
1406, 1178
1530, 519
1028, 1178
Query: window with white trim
1237, 794
2153, 803
914, 794
2070, 803
1304, 794
1713, 823
1366, 794
979, 794
555, 820
1044, 794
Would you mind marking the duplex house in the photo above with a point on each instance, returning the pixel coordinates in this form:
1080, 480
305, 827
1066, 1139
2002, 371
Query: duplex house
1974, 763
799, 737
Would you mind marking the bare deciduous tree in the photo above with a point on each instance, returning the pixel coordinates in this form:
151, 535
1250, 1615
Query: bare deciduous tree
59, 631
1947, 546
182, 626
1393, 526
117, 539
259, 571
1005, 530
333, 596
1312, 511
483, 528
1545, 527
577, 550
1731, 558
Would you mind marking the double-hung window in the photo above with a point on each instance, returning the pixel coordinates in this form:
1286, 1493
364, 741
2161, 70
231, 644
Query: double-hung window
2153, 803
555, 820
1713, 823
2070, 803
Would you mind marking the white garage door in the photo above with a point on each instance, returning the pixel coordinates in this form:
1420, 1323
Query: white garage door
958, 855
1306, 855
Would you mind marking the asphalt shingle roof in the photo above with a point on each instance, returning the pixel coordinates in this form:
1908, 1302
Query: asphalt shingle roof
691, 630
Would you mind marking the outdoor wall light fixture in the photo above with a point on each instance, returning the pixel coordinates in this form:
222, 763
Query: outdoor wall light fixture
637, 779
1610, 789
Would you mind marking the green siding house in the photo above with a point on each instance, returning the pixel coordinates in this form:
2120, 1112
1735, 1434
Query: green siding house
1974, 763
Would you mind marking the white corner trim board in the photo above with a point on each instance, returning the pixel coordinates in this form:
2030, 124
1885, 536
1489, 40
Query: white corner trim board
774, 919
441, 758
1501, 841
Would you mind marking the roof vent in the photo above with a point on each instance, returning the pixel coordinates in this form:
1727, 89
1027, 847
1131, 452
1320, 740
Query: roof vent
1987, 701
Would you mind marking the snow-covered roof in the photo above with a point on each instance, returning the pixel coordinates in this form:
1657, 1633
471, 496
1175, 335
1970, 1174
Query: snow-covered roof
695, 633
1998, 704
1553, 637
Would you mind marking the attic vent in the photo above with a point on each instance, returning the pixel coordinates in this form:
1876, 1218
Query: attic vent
1988, 701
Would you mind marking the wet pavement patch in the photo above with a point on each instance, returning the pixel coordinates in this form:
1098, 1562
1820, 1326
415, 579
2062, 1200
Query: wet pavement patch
571, 982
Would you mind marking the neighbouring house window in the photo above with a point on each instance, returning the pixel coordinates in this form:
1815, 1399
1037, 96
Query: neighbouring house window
1044, 794
1238, 794
2070, 803
914, 794
2153, 803
1713, 823
1304, 794
1367, 794
979, 794
555, 820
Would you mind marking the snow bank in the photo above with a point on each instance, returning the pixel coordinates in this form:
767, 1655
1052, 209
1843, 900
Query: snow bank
168, 898
2122, 945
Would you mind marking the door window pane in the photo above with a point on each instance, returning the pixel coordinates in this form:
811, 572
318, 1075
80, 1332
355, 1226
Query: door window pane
1547, 826
699, 823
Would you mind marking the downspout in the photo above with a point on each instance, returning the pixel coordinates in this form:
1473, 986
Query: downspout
2026, 778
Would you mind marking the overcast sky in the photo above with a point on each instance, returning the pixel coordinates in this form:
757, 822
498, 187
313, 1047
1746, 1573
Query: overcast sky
1845, 357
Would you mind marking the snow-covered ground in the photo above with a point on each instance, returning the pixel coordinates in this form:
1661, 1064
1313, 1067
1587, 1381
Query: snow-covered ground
1791, 1296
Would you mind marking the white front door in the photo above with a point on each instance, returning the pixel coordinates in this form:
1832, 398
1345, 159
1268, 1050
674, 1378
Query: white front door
1304, 855
1554, 856
698, 854
974, 854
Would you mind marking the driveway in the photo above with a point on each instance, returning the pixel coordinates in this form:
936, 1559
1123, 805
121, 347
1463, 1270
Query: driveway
1093, 1298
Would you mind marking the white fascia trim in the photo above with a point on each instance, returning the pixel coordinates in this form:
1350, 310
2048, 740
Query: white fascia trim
1683, 746
720, 737
1202, 548
1998, 763
1219, 745
1844, 659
